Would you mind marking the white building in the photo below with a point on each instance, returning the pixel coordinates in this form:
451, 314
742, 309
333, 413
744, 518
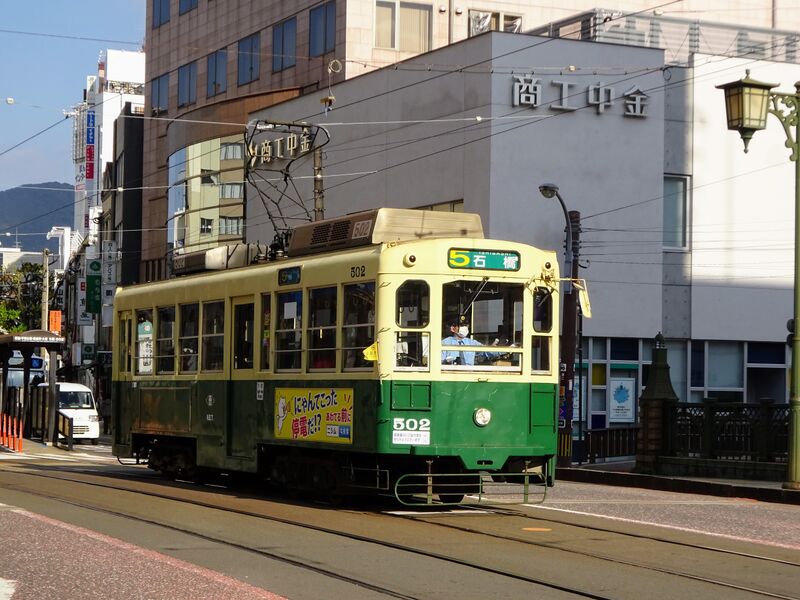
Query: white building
120, 78
672, 238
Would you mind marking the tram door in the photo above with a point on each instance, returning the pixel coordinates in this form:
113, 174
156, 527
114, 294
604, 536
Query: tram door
241, 397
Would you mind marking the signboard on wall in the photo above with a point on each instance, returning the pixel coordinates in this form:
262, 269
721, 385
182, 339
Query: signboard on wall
623, 394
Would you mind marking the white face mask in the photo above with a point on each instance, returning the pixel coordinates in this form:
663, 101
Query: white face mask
463, 331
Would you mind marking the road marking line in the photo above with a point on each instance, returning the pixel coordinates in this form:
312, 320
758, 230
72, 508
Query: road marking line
673, 527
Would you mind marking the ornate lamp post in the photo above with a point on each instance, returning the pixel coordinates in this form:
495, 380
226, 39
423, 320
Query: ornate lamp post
747, 103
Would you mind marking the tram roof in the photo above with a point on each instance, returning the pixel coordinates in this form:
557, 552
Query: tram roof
381, 225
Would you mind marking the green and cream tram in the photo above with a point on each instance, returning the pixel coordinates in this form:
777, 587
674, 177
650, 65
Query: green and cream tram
326, 370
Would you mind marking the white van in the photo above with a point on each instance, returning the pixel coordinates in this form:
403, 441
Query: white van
77, 401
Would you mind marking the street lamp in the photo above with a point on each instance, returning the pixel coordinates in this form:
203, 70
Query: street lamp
548, 190
747, 103
568, 330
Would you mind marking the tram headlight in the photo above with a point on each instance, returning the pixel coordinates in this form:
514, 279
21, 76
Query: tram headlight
409, 260
482, 416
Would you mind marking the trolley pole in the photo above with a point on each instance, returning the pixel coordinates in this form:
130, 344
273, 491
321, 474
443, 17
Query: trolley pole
568, 350
319, 196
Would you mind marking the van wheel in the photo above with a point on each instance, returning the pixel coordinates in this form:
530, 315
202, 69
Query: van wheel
95, 441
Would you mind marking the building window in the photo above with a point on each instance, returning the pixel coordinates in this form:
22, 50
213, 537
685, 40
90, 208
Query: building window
481, 22
160, 12
675, 211
206, 225
187, 84
186, 5
231, 225
249, 49
231, 151
322, 34
159, 97
217, 73
231, 190
410, 33
284, 41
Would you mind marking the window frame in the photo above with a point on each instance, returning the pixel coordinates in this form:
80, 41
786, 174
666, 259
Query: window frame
187, 84
281, 298
243, 334
326, 38
248, 58
160, 13
185, 338
353, 351
217, 73
163, 341
681, 234
184, 6
141, 358
397, 8
159, 94
281, 59
324, 330
212, 354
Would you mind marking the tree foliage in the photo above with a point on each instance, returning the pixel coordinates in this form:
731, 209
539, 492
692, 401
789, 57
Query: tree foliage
21, 298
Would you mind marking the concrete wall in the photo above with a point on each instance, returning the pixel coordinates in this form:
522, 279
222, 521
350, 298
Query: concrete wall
742, 213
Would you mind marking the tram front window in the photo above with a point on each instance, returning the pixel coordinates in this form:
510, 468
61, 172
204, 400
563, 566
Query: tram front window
482, 325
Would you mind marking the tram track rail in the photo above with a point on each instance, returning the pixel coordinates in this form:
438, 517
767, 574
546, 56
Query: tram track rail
649, 567
617, 561
284, 559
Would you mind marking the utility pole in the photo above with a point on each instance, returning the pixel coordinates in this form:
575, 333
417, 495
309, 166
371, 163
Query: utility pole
319, 197
568, 350
45, 297
45, 291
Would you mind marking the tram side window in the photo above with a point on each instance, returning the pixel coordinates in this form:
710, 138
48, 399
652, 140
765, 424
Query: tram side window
190, 319
144, 342
165, 344
124, 346
358, 331
266, 321
213, 335
289, 331
322, 329
243, 324
412, 311
543, 323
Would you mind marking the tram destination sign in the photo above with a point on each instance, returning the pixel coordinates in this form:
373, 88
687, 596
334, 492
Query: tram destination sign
493, 260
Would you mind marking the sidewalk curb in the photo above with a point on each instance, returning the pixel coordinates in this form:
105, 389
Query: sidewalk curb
675, 484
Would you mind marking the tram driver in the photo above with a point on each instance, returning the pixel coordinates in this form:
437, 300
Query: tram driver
459, 336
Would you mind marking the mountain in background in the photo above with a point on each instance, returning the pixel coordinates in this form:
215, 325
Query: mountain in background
28, 212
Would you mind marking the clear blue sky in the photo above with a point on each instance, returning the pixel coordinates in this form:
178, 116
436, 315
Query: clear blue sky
45, 75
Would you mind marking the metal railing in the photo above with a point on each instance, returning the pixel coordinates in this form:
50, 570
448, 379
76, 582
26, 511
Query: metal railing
727, 431
612, 442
